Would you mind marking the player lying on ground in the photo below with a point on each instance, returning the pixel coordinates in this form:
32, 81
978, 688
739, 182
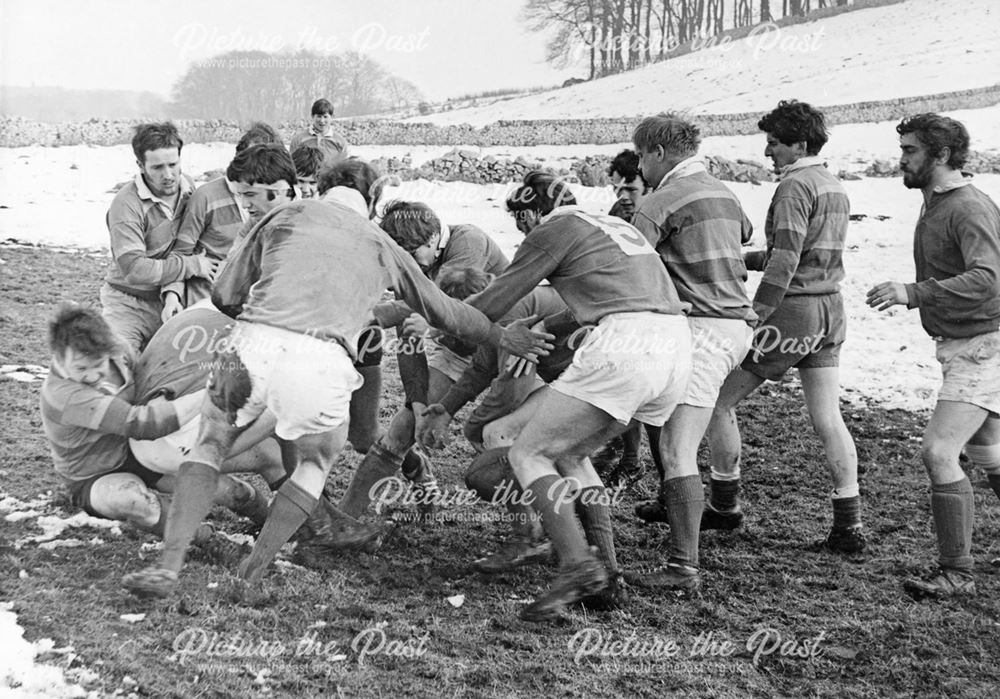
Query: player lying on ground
301, 285
635, 364
116, 428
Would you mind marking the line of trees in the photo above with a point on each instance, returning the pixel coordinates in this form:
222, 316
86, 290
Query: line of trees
617, 35
277, 87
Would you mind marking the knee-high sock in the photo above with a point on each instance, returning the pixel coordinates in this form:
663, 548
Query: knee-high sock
653, 434
595, 515
378, 463
953, 506
685, 499
291, 507
191, 502
560, 524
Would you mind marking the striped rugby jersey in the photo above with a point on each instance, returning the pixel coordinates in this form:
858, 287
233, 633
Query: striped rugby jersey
698, 226
806, 229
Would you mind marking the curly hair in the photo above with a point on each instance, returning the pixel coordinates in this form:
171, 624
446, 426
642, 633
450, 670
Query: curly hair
936, 133
83, 330
542, 192
149, 137
410, 223
793, 122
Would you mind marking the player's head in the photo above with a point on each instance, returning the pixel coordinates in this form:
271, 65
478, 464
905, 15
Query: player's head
415, 228
258, 133
322, 115
82, 344
307, 160
462, 282
662, 141
157, 149
794, 130
264, 176
930, 143
630, 186
356, 174
539, 194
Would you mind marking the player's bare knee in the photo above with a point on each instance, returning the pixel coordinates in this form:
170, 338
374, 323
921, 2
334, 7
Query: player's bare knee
496, 435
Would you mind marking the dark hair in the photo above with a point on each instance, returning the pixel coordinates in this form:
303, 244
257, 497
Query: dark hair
265, 163
792, 122
626, 164
258, 133
307, 160
678, 136
322, 106
542, 192
83, 330
154, 137
936, 133
410, 223
355, 173
462, 282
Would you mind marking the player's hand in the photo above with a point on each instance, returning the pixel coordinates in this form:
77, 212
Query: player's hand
415, 325
887, 294
207, 267
518, 339
171, 306
432, 427
516, 367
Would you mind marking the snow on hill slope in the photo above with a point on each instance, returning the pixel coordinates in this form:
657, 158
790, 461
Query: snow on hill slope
914, 48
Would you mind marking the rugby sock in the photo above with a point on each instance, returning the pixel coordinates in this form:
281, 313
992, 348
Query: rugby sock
953, 507
192, 500
378, 463
846, 507
560, 524
291, 507
724, 492
987, 457
685, 499
653, 434
595, 515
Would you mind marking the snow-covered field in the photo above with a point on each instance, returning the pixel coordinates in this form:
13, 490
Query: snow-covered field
918, 47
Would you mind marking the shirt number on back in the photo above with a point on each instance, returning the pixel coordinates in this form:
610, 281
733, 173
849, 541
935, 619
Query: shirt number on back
628, 239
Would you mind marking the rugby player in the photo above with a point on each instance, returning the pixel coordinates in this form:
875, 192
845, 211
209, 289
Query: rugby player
321, 134
801, 319
956, 247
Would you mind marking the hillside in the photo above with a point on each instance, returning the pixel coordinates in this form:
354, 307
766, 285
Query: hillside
917, 47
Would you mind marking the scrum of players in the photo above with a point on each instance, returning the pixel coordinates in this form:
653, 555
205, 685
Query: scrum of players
243, 326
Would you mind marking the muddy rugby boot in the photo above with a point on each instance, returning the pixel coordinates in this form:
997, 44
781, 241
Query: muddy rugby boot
845, 540
670, 577
575, 581
946, 583
712, 518
627, 473
615, 596
514, 553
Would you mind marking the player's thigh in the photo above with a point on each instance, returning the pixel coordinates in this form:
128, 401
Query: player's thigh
951, 425
503, 431
563, 425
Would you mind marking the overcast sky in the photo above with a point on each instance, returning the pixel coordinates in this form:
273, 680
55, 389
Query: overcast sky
445, 47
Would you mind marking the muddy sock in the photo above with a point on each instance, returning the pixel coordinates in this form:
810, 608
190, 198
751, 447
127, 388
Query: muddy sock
560, 524
378, 463
724, 494
191, 502
595, 516
953, 506
685, 500
846, 507
291, 507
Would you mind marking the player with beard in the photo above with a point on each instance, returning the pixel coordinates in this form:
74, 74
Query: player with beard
802, 322
956, 248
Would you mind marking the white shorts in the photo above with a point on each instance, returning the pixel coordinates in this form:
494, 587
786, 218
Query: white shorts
632, 365
306, 382
444, 360
166, 454
718, 345
971, 369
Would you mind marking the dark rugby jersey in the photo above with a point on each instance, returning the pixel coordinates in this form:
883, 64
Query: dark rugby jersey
599, 265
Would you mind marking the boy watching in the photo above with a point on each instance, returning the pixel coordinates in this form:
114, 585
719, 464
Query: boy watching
322, 135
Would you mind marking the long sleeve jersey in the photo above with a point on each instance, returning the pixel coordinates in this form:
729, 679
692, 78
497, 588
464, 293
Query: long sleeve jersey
956, 248
319, 268
806, 229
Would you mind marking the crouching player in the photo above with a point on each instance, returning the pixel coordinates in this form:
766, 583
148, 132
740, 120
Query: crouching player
292, 352
635, 364
93, 403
